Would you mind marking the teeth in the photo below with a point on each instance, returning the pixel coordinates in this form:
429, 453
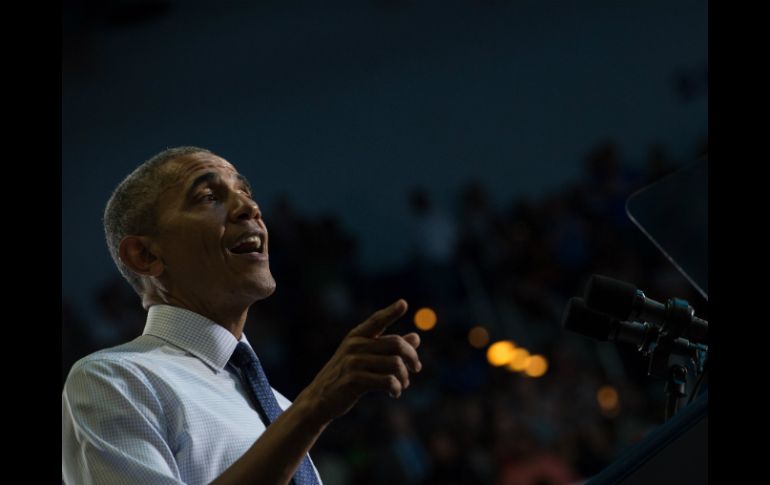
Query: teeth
257, 240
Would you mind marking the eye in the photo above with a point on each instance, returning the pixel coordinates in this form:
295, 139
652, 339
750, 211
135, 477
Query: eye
208, 197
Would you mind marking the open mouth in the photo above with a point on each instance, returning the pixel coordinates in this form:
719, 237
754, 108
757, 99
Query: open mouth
251, 244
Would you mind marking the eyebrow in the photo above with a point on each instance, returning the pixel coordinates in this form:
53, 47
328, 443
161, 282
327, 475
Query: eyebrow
244, 181
210, 177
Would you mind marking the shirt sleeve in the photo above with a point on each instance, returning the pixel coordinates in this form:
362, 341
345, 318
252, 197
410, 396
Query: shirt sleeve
113, 430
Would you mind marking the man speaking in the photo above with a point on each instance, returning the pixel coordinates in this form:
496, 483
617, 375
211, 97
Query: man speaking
187, 402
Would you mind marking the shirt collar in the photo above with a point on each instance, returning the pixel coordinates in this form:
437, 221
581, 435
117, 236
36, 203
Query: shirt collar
194, 333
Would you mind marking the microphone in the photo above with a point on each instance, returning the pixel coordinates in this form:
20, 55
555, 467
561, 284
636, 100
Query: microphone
579, 318
626, 302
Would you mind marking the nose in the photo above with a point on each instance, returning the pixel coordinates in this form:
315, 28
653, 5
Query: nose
245, 209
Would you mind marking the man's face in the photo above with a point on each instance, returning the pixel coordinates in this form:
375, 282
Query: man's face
210, 234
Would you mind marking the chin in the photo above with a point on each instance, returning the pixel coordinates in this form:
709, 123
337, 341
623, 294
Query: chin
265, 288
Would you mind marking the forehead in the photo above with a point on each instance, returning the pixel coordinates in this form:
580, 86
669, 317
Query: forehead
182, 171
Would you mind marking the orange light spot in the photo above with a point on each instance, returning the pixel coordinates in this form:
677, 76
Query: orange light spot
536, 366
425, 319
608, 399
478, 337
500, 353
518, 360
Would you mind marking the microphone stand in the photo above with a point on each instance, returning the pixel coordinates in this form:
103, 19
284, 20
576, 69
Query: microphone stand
660, 343
675, 388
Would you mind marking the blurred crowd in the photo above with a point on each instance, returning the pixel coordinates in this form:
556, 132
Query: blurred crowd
508, 269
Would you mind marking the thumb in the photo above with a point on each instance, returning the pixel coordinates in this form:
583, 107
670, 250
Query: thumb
380, 320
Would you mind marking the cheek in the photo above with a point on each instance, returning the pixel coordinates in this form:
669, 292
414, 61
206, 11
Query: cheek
194, 241
192, 248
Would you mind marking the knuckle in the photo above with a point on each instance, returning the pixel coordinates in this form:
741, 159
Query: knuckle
349, 379
394, 383
354, 344
346, 380
403, 346
401, 366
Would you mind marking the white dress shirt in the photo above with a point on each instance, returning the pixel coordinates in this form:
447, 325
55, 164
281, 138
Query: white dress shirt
164, 408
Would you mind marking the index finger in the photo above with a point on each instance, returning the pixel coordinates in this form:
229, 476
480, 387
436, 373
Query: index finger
380, 320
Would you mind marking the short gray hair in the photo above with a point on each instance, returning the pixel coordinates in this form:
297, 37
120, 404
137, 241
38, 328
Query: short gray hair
132, 208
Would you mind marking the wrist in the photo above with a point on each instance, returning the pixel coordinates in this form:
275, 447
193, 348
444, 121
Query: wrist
310, 409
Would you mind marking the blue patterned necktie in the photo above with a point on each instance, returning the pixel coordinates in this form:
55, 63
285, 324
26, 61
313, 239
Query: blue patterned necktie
246, 360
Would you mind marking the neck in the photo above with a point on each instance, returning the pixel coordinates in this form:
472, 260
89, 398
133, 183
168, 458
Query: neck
232, 317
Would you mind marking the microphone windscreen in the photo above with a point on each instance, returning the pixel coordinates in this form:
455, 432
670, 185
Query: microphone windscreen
579, 318
613, 297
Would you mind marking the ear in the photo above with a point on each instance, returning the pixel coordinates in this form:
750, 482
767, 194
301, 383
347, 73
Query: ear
135, 252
